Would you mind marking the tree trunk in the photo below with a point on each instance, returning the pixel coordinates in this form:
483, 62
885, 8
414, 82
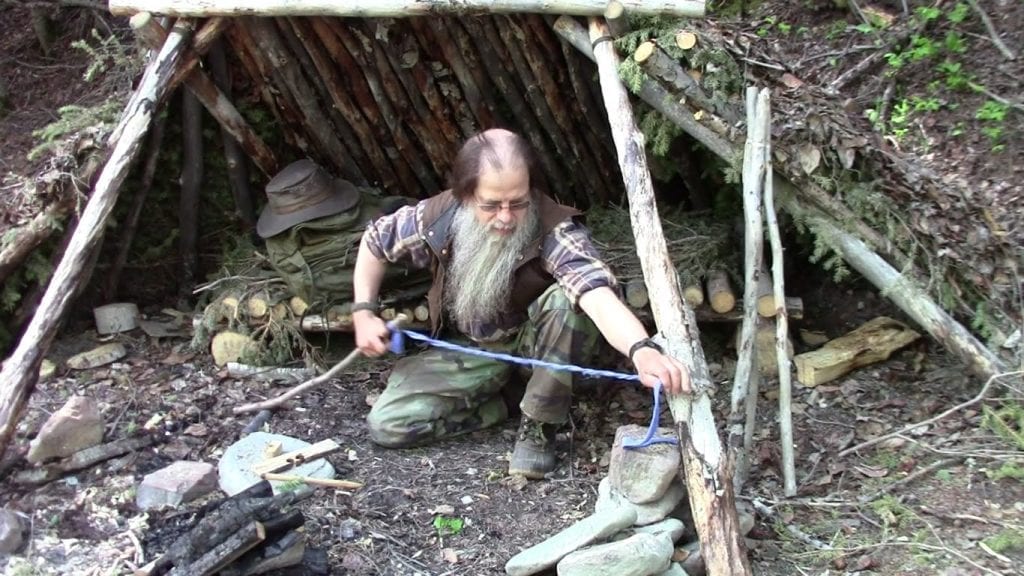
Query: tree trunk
397, 8
21, 370
706, 470
238, 166
191, 182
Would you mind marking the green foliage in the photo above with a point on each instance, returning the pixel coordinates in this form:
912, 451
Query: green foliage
891, 511
107, 54
447, 525
1007, 540
73, 119
1011, 470
1007, 422
36, 269
959, 13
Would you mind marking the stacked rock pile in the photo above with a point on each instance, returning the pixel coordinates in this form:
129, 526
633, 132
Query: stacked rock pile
640, 518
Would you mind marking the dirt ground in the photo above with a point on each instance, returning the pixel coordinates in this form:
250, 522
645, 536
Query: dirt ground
922, 503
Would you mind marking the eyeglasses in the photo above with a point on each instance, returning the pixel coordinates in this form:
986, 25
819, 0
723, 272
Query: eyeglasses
495, 207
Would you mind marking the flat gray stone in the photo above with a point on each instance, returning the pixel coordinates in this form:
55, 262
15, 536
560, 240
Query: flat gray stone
180, 482
642, 475
674, 569
649, 513
235, 466
638, 555
593, 528
674, 527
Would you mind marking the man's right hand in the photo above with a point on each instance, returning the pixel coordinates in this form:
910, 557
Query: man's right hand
372, 334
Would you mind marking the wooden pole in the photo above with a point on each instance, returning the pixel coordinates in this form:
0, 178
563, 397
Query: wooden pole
21, 370
782, 348
753, 241
234, 157
398, 8
705, 467
191, 182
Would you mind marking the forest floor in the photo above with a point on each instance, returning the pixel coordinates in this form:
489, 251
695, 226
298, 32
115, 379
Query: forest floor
926, 502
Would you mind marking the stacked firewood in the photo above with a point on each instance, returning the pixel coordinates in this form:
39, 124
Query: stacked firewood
251, 532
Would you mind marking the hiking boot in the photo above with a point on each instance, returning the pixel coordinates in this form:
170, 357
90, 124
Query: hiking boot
534, 454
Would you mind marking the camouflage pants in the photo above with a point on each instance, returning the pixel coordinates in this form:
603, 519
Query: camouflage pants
441, 393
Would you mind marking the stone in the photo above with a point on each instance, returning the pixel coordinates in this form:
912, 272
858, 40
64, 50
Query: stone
642, 475
98, 356
674, 527
176, 484
649, 513
693, 564
235, 466
593, 528
13, 529
638, 555
77, 425
674, 569
46, 370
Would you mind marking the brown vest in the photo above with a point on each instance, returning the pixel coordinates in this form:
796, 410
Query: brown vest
531, 280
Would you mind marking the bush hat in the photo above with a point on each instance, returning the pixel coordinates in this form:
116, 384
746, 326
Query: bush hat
303, 191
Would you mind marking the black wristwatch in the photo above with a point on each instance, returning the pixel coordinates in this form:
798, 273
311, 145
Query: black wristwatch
357, 306
645, 343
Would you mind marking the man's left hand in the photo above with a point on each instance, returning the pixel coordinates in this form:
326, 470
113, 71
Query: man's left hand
653, 366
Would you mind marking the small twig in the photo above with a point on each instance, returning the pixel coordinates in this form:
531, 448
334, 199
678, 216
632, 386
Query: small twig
992, 31
327, 482
957, 408
859, 12
908, 479
993, 553
312, 383
793, 530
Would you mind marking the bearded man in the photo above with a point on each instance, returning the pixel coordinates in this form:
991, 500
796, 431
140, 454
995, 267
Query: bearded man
514, 272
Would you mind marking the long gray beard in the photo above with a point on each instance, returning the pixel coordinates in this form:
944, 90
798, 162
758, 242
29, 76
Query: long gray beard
480, 275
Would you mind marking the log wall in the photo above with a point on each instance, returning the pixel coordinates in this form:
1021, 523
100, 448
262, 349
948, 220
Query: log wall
387, 102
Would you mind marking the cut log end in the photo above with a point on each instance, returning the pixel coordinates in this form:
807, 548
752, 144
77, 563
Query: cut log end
644, 52
636, 293
694, 295
720, 292
686, 40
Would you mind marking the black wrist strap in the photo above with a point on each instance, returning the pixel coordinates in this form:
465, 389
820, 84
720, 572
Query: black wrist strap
371, 306
645, 343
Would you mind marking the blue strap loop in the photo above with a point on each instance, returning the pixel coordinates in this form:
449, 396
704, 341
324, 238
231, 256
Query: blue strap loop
397, 346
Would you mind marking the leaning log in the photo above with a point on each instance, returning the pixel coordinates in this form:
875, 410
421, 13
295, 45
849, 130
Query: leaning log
234, 157
397, 8
905, 293
189, 197
910, 297
219, 106
705, 467
21, 370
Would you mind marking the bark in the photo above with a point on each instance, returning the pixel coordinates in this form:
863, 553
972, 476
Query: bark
384, 8
466, 72
655, 62
21, 370
706, 471
238, 167
434, 79
359, 66
288, 79
408, 107
356, 160
356, 130
351, 96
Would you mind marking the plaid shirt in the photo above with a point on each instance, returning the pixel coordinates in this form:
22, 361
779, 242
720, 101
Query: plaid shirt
567, 252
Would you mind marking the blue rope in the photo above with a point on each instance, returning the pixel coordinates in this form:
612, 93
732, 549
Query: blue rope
398, 347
